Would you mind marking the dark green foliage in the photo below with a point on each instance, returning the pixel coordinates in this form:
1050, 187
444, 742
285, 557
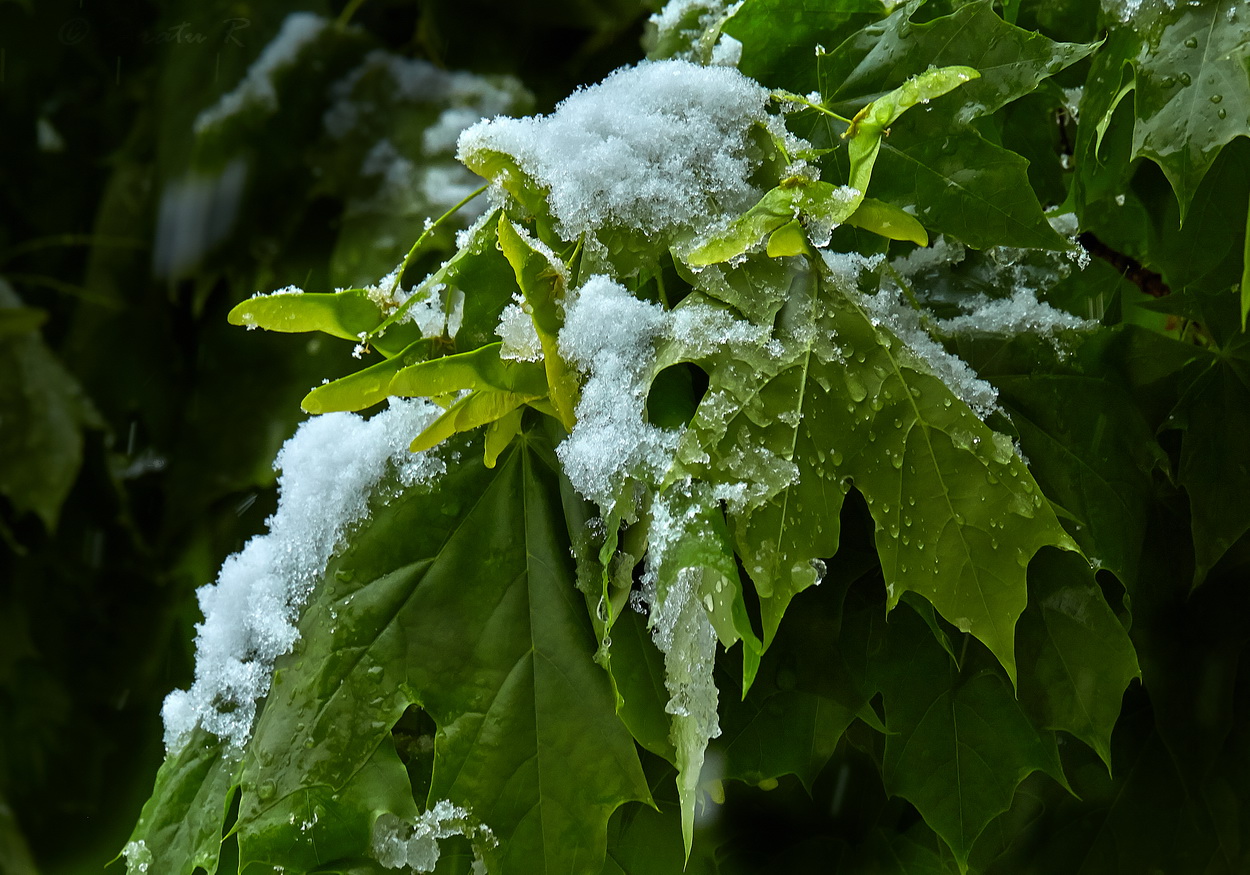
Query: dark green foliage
954, 626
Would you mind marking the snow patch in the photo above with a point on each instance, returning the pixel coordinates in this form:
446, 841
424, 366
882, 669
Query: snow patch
329, 470
610, 335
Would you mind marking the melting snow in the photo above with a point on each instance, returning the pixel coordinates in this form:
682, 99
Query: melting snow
413, 844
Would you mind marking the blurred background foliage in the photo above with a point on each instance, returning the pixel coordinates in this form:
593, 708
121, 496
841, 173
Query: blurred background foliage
137, 428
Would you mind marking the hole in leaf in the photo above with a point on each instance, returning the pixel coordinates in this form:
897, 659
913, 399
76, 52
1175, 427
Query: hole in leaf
675, 395
413, 735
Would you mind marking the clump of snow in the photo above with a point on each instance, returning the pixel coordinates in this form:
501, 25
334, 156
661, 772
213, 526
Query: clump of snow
329, 470
702, 329
257, 90
660, 148
397, 843
610, 335
1068, 225
439, 312
519, 337
727, 52
925, 259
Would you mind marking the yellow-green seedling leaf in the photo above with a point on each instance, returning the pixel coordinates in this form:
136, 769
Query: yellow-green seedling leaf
888, 221
471, 411
366, 387
775, 209
343, 314
789, 239
480, 369
499, 435
502, 169
871, 122
821, 204
543, 279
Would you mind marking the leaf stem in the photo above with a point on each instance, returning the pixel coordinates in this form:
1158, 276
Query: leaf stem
348, 11
791, 97
403, 266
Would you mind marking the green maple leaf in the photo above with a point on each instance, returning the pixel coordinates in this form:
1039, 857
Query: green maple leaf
959, 742
846, 403
181, 824
1192, 91
1075, 656
461, 600
1089, 446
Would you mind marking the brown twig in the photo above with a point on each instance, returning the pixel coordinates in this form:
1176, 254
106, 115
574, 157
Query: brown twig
1130, 268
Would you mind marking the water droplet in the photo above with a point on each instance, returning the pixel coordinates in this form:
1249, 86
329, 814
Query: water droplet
855, 386
1185, 80
1167, 82
266, 790
1223, 113
1192, 42
1216, 98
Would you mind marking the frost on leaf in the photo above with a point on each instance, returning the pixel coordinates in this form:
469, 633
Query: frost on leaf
414, 844
329, 470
